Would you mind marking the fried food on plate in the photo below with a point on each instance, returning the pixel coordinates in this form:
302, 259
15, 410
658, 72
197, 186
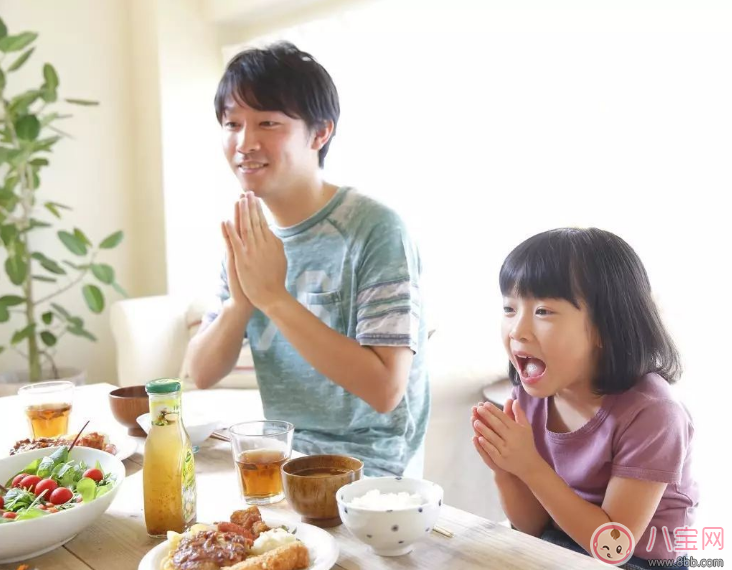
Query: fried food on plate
293, 556
243, 543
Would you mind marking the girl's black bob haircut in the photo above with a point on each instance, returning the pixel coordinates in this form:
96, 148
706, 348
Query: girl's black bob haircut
600, 269
281, 78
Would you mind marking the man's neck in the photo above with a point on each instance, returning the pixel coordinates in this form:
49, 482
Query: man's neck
300, 202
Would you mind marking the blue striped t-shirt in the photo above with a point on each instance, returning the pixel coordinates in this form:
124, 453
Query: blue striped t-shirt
353, 265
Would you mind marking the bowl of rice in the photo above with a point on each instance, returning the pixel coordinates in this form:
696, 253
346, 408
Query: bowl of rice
390, 514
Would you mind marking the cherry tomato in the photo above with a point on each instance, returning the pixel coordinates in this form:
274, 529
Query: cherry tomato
29, 482
17, 479
9, 515
2, 503
47, 485
95, 474
61, 495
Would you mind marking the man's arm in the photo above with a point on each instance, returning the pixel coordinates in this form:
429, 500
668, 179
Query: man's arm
213, 352
376, 374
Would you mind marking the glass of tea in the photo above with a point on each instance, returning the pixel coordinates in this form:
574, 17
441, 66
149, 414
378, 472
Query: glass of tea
48, 407
260, 448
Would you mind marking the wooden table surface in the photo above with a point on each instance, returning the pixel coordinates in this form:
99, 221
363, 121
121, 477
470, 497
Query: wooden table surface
118, 540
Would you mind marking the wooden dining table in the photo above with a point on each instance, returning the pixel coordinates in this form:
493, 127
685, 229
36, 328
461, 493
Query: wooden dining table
118, 539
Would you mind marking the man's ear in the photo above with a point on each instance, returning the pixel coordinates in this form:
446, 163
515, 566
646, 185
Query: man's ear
322, 134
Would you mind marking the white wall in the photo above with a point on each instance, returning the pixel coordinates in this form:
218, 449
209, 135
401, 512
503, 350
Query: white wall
88, 43
485, 123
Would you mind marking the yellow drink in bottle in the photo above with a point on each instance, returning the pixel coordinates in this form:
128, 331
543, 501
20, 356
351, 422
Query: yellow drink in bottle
169, 483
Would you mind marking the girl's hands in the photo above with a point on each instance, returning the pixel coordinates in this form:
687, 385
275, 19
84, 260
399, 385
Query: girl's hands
506, 438
475, 417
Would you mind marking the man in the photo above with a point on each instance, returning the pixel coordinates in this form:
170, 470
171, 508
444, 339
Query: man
329, 298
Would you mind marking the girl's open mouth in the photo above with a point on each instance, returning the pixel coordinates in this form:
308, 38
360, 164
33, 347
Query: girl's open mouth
530, 369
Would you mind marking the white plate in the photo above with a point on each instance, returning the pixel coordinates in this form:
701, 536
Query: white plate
126, 446
322, 546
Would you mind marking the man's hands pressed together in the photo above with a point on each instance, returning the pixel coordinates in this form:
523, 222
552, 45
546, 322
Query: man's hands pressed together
257, 265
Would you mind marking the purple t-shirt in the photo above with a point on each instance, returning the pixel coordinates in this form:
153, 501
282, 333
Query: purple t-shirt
643, 433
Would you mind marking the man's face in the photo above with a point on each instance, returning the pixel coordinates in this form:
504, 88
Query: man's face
268, 151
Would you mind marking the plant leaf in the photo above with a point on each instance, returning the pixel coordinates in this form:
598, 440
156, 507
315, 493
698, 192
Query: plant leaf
21, 60
103, 272
28, 127
4, 314
112, 240
94, 298
52, 208
17, 43
117, 287
2, 349
72, 243
83, 267
3, 29
2, 80
44, 145
61, 311
52, 266
38, 162
22, 334
78, 331
37, 224
82, 102
50, 75
47, 317
11, 300
44, 279
80, 235
17, 269
48, 338
8, 234
20, 103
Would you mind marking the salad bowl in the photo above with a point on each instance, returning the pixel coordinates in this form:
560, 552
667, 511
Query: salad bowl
87, 481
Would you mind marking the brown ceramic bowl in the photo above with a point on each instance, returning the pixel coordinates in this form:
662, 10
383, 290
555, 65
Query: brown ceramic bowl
310, 484
127, 404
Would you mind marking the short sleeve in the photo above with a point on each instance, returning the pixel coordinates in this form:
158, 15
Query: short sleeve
222, 292
654, 445
389, 300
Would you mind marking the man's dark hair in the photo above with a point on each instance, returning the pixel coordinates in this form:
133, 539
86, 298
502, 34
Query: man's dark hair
281, 78
602, 270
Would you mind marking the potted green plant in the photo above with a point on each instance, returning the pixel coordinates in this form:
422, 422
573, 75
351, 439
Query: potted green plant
28, 133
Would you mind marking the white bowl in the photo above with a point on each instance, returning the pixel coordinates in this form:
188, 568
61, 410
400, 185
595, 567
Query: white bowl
25, 539
391, 532
199, 427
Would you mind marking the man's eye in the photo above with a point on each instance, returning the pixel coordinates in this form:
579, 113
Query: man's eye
543, 312
268, 123
230, 124
507, 310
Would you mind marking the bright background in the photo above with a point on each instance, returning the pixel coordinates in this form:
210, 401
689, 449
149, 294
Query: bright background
481, 122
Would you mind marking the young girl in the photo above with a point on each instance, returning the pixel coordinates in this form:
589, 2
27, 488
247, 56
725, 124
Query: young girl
592, 433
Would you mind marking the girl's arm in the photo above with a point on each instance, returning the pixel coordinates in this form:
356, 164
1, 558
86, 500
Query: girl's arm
510, 445
631, 502
522, 508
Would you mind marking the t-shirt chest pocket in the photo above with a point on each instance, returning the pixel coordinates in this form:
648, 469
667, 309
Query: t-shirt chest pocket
327, 307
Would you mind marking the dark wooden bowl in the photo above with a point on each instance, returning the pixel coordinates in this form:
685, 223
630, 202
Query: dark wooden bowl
127, 404
310, 484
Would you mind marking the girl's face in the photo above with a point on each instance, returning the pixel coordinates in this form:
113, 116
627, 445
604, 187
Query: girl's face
552, 344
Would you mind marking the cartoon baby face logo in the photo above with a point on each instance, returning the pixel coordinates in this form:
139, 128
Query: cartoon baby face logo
613, 543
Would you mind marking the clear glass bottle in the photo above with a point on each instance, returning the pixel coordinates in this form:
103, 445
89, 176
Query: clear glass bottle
169, 481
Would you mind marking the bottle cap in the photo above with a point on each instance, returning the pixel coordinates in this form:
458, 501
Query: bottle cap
163, 386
